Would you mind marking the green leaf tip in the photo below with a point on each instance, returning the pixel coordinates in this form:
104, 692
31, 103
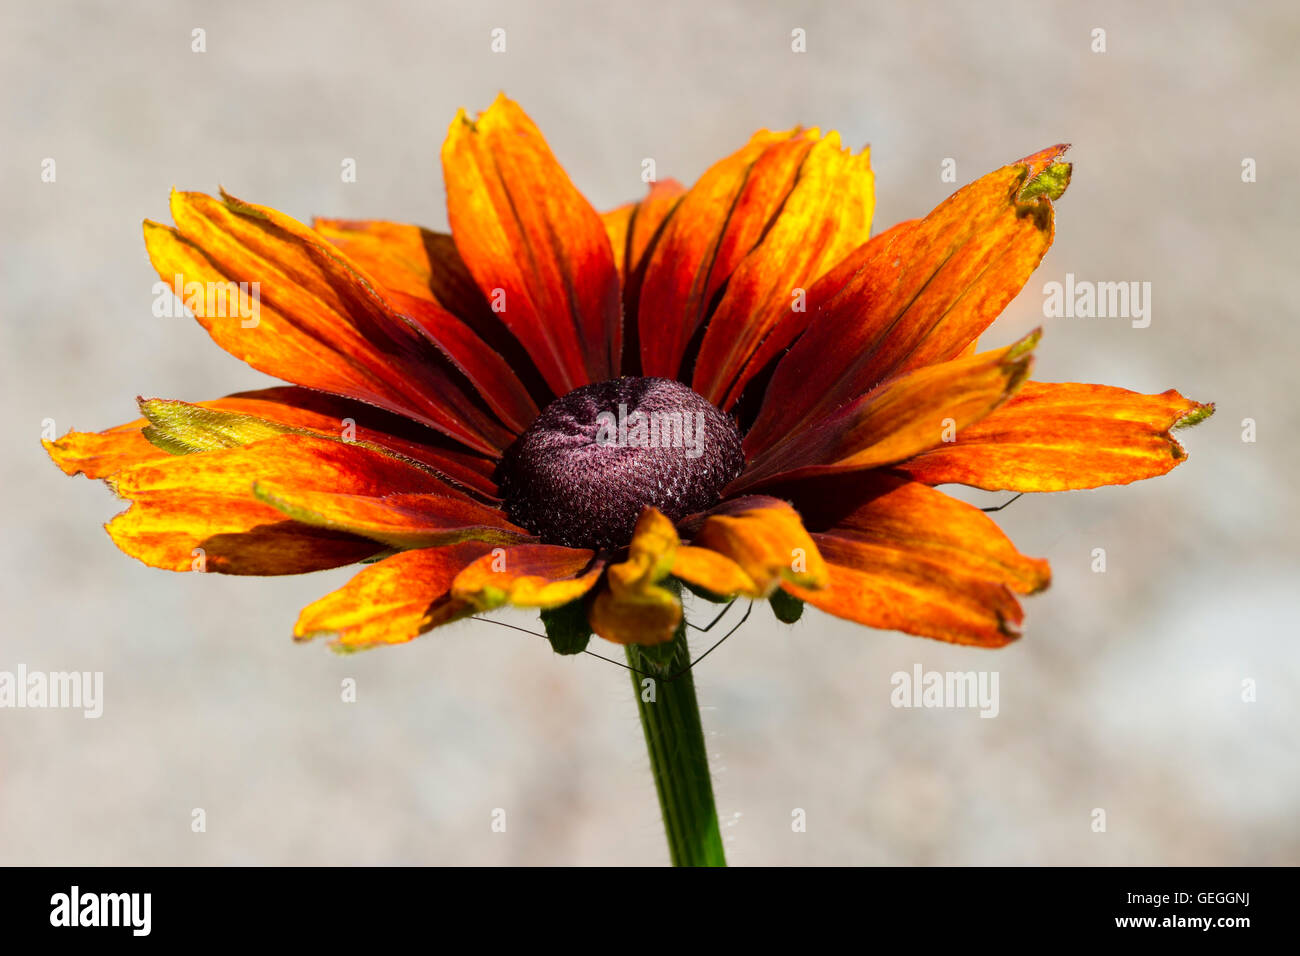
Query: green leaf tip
1051, 182
1195, 416
567, 627
180, 428
786, 607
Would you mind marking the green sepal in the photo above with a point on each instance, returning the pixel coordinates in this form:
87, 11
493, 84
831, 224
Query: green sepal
567, 627
659, 658
786, 607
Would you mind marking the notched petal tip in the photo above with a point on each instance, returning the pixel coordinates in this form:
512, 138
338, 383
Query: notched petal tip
1194, 416
1045, 178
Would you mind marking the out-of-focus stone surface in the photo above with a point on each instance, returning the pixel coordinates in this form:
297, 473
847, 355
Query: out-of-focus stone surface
1124, 695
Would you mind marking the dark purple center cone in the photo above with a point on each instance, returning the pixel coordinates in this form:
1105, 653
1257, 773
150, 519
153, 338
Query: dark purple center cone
582, 472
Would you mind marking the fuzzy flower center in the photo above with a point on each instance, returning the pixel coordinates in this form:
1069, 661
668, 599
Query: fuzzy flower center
582, 472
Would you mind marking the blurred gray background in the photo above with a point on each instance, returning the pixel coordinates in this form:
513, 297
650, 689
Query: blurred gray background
1125, 693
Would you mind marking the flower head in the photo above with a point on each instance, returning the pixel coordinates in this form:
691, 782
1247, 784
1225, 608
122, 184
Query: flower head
734, 386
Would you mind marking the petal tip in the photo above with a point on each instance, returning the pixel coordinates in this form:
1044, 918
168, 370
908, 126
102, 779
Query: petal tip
1198, 413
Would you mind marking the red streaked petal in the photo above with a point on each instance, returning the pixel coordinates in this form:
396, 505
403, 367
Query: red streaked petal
291, 408
426, 265
713, 227
905, 557
487, 371
334, 417
205, 501
889, 591
898, 420
397, 520
917, 294
826, 215
393, 601
633, 230
528, 235
887, 510
319, 321
1057, 437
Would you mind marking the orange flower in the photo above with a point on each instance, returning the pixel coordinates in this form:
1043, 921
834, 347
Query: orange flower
731, 386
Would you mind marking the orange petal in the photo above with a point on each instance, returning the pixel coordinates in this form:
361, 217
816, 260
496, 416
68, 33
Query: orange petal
408, 259
633, 226
618, 226
398, 520
334, 417
633, 229
917, 294
905, 557
281, 409
765, 537
392, 601
527, 575
886, 510
634, 609
711, 230
183, 428
424, 264
489, 373
100, 454
826, 215
205, 501
1057, 437
534, 245
713, 572
892, 592
898, 420
318, 320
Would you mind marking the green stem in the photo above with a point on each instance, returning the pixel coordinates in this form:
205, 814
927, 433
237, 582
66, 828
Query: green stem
670, 718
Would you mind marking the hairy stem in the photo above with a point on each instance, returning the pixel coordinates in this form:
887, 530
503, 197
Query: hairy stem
670, 717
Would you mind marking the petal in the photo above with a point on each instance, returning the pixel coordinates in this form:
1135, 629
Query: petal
765, 537
319, 321
633, 608
1057, 437
426, 265
527, 575
887, 510
899, 419
527, 234
489, 373
281, 409
892, 592
408, 259
398, 520
392, 601
618, 226
712, 228
100, 454
713, 572
632, 227
917, 294
906, 557
633, 230
185, 428
826, 215
205, 501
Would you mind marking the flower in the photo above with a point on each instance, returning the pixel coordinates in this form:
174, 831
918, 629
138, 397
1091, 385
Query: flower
734, 387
